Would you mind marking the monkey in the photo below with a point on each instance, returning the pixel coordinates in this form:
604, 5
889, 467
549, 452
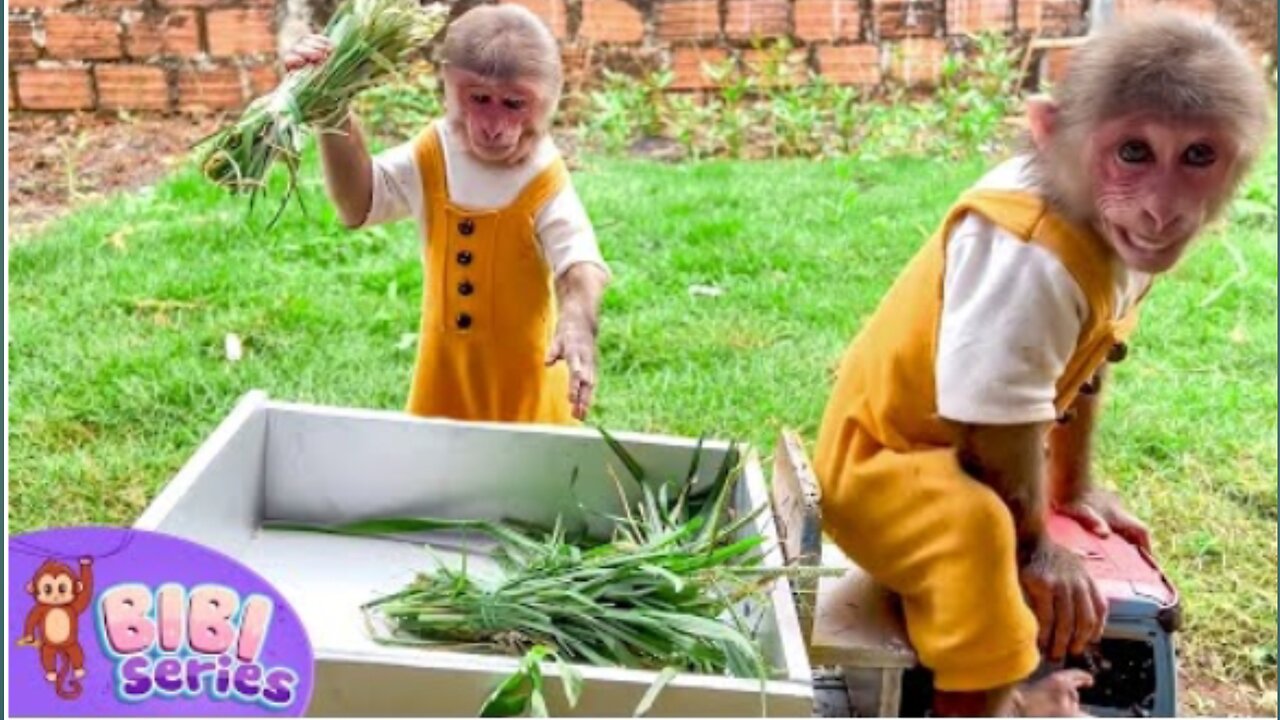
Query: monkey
514, 276
964, 408
60, 599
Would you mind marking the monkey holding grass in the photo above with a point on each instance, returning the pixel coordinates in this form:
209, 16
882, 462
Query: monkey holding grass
53, 624
513, 273
939, 453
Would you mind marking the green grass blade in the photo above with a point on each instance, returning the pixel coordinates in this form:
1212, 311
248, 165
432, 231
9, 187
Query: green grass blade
646, 703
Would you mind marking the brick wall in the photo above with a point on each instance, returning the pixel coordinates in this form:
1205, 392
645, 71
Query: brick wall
145, 55
186, 55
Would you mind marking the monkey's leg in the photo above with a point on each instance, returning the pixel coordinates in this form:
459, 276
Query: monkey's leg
75, 655
49, 661
945, 543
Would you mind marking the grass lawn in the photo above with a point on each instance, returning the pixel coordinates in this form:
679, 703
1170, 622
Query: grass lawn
118, 315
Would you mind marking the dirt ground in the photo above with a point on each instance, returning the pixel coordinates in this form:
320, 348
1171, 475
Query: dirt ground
58, 163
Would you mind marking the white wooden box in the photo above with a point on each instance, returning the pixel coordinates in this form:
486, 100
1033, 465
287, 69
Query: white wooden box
286, 461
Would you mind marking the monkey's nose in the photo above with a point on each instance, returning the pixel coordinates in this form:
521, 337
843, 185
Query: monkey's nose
1161, 219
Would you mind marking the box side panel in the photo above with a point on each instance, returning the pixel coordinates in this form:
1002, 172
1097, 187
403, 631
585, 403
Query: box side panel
216, 499
779, 632
328, 466
348, 687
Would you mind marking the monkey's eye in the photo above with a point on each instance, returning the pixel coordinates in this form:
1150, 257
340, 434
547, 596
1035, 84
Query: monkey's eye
480, 98
62, 588
514, 103
1135, 151
1199, 155
48, 589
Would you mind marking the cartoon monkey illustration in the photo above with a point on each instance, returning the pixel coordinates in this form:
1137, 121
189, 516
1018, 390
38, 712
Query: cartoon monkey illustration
60, 598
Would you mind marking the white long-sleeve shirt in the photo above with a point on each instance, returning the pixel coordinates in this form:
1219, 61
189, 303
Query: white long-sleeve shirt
563, 227
1011, 317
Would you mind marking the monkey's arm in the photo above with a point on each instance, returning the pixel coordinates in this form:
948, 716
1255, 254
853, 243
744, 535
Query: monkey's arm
35, 620
86, 594
348, 171
1068, 606
1071, 487
1071, 447
1010, 460
579, 291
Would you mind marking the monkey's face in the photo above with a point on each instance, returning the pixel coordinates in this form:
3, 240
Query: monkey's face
1155, 183
53, 589
499, 119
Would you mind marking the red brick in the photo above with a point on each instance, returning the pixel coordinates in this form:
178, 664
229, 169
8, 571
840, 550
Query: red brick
850, 64
262, 79
751, 19
132, 87
22, 43
611, 21
917, 61
37, 4
100, 5
906, 18
687, 67
79, 37
970, 17
818, 20
1053, 17
1053, 64
55, 89
177, 33
763, 65
210, 89
209, 4
552, 13
232, 33
1198, 7
688, 19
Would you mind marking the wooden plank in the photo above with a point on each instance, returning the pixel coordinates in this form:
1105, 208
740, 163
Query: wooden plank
797, 512
797, 501
857, 622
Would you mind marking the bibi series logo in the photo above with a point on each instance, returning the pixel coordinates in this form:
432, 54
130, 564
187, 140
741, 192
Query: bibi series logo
130, 623
202, 641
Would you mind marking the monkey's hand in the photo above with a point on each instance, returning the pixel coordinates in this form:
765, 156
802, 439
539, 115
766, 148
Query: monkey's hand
86, 560
1068, 605
310, 50
28, 640
575, 344
1102, 513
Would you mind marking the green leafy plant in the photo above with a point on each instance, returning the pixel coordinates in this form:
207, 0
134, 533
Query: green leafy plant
773, 107
372, 40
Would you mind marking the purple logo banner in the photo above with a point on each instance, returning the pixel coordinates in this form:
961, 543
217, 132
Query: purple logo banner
111, 622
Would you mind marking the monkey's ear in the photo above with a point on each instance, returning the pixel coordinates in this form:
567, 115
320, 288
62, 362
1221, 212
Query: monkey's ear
1042, 116
79, 587
31, 588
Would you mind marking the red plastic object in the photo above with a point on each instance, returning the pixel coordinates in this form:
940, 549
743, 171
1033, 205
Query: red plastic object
1123, 571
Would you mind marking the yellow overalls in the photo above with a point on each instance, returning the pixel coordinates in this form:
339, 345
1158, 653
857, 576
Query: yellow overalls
488, 306
895, 498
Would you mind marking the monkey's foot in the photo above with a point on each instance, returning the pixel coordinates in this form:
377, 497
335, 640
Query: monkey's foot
1057, 695
79, 673
51, 677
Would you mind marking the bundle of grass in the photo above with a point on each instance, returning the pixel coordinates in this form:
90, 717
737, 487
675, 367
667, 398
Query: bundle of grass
664, 592
372, 40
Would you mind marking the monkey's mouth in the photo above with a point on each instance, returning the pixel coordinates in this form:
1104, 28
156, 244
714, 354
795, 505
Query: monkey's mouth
495, 149
1142, 244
